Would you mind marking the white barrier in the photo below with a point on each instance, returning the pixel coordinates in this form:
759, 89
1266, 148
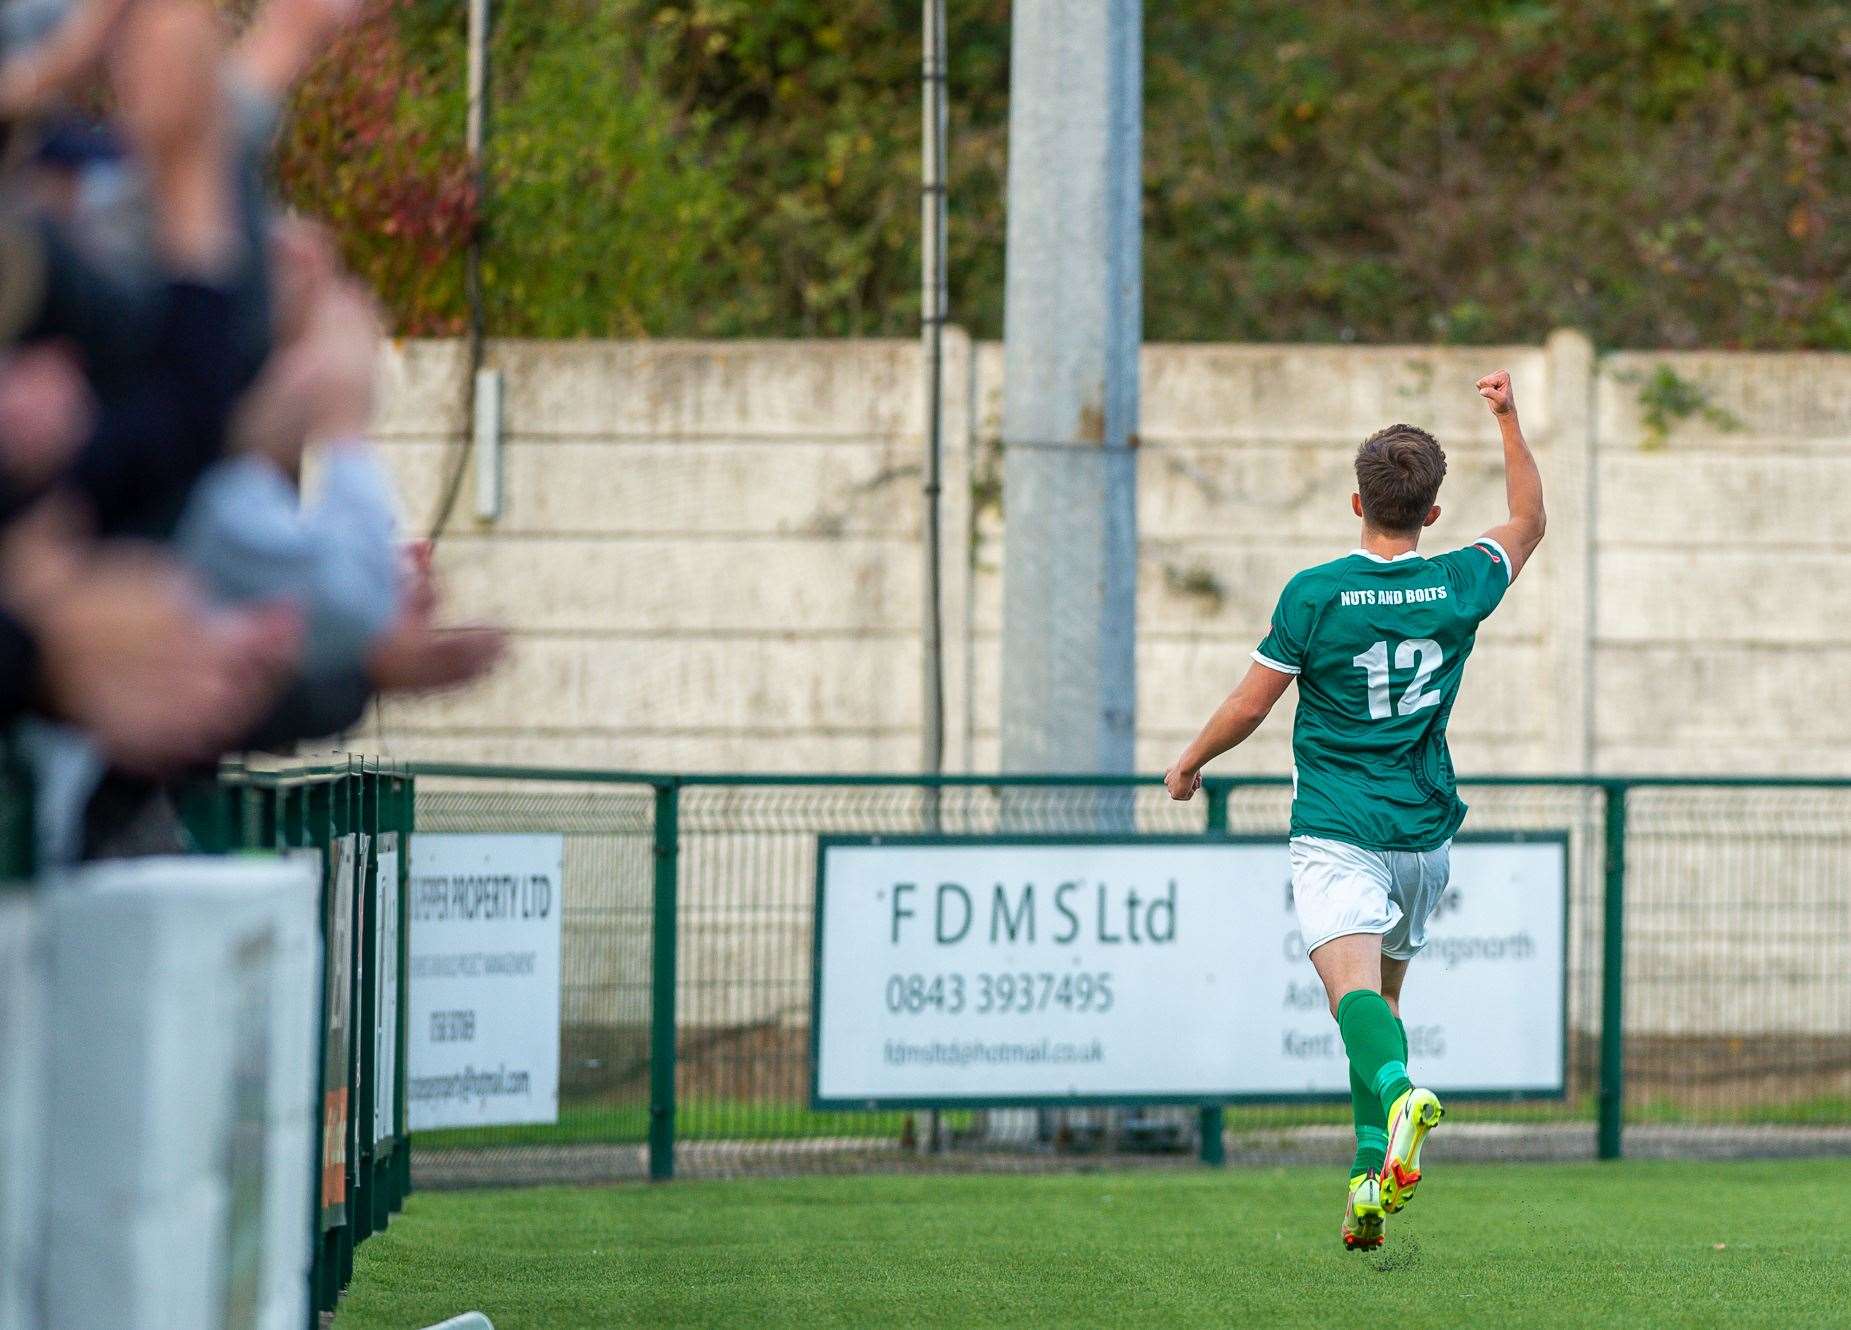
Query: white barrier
295, 1021
22, 980
183, 995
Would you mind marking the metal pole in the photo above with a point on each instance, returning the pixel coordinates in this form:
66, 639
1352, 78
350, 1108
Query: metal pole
934, 304
662, 985
933, 308
1211, 1120
475, 136
401, 1118
1072, 313
1612, 980
1073, 302
478, 80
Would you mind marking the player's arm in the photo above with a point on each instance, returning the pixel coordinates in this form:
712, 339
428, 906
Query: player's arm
1520, 535
1236, 718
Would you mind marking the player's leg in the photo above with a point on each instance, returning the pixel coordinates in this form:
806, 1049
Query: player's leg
1351, 968
1411, 1116
1364, 1216
1394, 974
1366, 1108
1371, 1123
1352, 964
1341, 897
1419, 881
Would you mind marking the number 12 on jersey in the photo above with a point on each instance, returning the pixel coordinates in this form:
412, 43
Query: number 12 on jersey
1420, 654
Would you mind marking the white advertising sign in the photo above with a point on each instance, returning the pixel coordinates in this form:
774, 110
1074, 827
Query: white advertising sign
385, 1030
1100, 969
483, 1044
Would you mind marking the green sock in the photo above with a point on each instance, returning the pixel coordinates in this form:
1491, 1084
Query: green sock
1371, 1128
1402, 1027
1374, 1043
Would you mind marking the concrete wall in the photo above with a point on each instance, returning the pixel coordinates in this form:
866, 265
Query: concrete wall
1721, 573
710, 555
710, 552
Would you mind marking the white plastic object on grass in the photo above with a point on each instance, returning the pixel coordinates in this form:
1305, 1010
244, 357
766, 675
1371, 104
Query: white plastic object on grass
467, 1321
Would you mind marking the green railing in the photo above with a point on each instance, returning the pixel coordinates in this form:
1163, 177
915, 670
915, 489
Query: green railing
364, 807
1708, 968
314, 811
18, 849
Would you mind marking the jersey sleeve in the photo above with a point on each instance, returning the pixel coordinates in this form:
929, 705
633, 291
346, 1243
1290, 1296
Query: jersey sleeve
1284, 647
1480, 575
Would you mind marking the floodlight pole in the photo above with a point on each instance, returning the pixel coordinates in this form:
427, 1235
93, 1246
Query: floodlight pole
1072, 324
1073, 302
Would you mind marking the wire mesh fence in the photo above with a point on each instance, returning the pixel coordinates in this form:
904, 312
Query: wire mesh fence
1735, 997
1738, 967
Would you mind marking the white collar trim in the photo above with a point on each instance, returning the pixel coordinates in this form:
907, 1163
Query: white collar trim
1376, 558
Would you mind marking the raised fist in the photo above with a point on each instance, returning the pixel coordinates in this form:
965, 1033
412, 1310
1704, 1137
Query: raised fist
1495, 388
1182, 783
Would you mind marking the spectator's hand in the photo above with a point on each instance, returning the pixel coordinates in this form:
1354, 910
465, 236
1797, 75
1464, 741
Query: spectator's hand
46, 411
128, 653
286, 36
344, 336
416, 656
320, 387
420, 587
168, 71
303, 265
33, 79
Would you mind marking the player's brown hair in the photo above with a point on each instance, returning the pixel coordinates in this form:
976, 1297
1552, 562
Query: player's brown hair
1398, 474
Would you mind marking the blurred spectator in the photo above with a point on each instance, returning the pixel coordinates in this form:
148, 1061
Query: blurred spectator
173, 358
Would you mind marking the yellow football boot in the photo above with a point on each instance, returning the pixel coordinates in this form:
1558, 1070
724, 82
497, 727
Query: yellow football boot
1414, 1114
1363, 1217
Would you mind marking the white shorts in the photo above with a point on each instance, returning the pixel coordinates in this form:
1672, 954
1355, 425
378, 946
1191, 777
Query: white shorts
1339, 889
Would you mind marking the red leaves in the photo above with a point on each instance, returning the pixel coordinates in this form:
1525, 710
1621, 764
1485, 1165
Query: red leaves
367, 150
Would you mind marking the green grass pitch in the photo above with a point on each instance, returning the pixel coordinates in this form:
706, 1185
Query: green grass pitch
1632, 1244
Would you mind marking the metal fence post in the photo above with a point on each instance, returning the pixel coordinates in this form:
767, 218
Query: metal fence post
1612, 979
1211, 1119
18, 837
361, 1217
663, 984
318, 830
401, 1114
352, 822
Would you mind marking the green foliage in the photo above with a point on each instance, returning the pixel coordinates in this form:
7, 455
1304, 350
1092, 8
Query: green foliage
1667, 397
1198, 583
1657, 172
367, 152
608, 199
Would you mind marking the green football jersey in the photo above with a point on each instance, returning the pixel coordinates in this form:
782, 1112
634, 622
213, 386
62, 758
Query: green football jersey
1379, 647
